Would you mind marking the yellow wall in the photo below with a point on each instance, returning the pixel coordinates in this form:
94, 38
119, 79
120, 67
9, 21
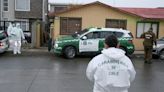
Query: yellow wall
56, 27
96, 15
161, 29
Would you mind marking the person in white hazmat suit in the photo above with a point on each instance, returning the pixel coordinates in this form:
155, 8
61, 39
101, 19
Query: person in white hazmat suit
111, 71
9, 31
18, 36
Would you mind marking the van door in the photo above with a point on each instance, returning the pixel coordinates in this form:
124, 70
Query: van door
89, 42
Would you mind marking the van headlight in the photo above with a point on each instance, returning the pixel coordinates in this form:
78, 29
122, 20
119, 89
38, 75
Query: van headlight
56, 45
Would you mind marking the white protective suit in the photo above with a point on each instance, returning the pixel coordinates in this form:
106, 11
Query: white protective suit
17, 37
111, 71
9, 31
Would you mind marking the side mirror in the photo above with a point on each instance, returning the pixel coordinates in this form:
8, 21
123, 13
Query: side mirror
84, 38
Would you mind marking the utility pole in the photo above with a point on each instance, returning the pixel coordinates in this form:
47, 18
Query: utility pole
44, 19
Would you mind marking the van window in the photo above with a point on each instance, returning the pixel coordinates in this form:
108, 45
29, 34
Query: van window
93, 35
2, 35
118, 34
104, 34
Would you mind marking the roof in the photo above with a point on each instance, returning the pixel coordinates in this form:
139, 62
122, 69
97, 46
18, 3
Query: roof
78, 7
156, 13
149, 13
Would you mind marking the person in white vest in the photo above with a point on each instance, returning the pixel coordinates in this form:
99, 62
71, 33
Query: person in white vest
18, 36
111, 71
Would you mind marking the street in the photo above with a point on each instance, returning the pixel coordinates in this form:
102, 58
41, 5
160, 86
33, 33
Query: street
46, 72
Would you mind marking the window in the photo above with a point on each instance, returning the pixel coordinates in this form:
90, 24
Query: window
118, 34
24, 24
22, 5
70, 25
145, 26
104, 34
92, 35
116, 23
5, 5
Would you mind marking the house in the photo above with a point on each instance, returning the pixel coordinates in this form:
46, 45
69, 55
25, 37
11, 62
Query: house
26, 12
98, 14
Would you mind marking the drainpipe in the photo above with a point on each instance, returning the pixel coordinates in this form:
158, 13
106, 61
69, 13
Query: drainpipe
0, 9
43, 10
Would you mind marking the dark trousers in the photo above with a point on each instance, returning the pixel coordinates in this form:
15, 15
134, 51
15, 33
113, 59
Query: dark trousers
148, 53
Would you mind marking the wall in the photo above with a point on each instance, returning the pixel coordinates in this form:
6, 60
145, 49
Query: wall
35, 10
161, 29
10, 13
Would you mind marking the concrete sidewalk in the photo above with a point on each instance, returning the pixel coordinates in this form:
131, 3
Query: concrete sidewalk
41, 49
138, 52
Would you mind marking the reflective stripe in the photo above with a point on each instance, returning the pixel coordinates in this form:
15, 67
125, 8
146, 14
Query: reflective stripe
130, 47
71, 40
124, 38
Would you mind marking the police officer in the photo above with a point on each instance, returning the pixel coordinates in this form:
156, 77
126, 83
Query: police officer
149, 39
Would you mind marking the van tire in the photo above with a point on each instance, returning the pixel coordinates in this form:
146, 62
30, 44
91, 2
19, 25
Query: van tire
161, 55
69, 52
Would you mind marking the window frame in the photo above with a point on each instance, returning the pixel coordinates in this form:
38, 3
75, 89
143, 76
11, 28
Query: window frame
23, 21
125, 20
151, 22
29, 3
6, 6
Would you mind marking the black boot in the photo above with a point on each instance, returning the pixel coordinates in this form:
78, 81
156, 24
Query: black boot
145, 62
149, 62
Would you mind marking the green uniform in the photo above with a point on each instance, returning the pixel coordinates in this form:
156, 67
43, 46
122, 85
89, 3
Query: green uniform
149, 39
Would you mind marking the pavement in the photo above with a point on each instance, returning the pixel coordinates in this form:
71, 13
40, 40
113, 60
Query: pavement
37, 70
139, 52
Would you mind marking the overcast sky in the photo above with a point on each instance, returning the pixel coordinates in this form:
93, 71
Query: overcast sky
119, 3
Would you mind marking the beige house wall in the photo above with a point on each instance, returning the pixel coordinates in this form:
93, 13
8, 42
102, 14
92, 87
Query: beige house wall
96, 15
161, 29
